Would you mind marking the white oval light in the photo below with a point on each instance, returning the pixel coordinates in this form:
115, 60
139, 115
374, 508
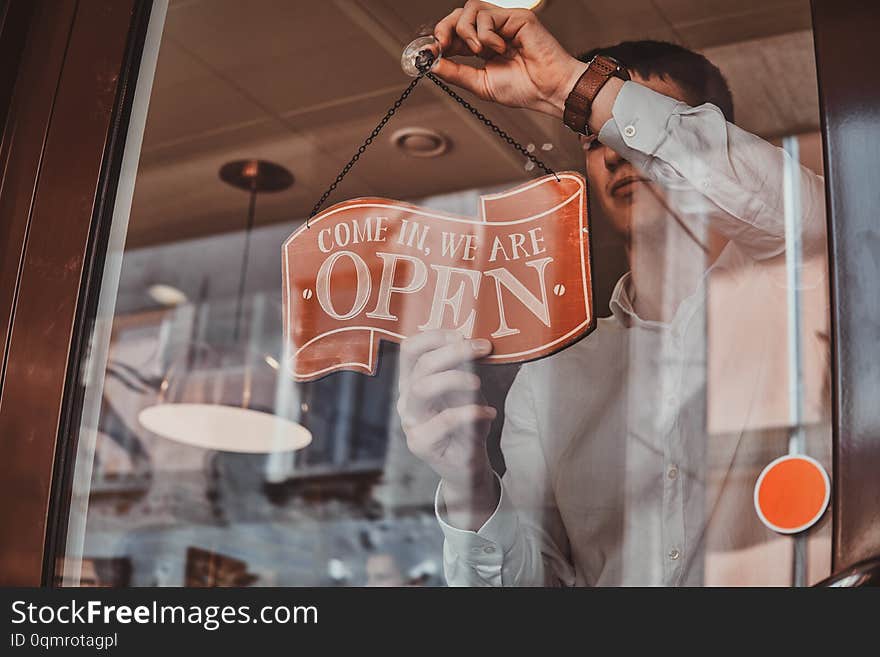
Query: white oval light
166, 295
225, 428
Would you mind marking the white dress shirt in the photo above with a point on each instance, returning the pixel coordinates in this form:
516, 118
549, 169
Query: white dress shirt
612, 477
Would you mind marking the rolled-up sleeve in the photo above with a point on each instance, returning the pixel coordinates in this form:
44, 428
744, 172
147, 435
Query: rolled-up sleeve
714, 171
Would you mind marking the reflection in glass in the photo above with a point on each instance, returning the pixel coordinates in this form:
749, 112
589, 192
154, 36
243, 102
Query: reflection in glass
226, 396
636, 448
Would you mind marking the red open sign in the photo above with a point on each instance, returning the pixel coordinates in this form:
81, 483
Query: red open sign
373, 268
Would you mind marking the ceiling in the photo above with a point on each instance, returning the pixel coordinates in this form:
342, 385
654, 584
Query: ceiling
303, 83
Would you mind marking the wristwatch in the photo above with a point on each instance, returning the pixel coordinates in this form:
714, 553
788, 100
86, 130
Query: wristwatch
580, 101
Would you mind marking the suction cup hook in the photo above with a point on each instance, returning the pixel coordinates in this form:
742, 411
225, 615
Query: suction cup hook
418, 53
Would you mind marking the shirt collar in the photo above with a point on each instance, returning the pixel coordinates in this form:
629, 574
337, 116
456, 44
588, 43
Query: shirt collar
623, 311
622, 303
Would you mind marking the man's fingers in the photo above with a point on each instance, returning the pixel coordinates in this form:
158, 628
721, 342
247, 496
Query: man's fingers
452, 421
486, 33
467, 30
484, 24
507, 23
413, 347
450, 357
428, 396
442, 383
444, 31
462, 75
457, 47
466, 27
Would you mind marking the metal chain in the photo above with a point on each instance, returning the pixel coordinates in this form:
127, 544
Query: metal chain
423, 62
498, 131
363, 147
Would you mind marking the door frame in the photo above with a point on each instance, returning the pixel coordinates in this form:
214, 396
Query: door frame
63, 142
847, 52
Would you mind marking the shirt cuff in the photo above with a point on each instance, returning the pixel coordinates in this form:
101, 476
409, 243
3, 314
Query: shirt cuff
488, 544
639, 121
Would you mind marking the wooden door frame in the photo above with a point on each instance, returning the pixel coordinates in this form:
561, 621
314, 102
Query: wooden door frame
847, 51
15, 20
63, 142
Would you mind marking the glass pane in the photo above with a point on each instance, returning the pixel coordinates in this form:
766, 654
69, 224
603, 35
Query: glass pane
628, 427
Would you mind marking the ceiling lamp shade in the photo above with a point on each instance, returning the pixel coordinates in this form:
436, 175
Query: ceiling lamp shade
166, 295
228, 399
224, 394
224, 427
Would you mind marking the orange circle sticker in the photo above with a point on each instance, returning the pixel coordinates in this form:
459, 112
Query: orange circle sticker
792, 493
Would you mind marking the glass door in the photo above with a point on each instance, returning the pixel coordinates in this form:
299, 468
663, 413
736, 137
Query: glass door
191, 454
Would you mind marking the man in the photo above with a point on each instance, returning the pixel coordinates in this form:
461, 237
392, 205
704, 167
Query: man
610, 477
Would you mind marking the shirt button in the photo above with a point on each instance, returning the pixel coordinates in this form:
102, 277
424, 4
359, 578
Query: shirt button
674, 554
672, 472
489, 549
629, 131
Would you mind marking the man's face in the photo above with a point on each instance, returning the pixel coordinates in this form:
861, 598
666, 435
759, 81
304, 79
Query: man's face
625, 197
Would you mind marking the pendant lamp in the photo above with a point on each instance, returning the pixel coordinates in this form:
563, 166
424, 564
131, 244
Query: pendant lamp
223, 393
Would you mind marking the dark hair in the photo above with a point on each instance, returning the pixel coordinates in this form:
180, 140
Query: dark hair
699, 78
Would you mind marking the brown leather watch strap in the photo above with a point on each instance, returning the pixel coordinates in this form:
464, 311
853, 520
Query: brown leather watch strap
580, 101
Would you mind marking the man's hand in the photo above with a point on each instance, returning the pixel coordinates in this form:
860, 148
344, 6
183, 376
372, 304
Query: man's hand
446, 420
525, 66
